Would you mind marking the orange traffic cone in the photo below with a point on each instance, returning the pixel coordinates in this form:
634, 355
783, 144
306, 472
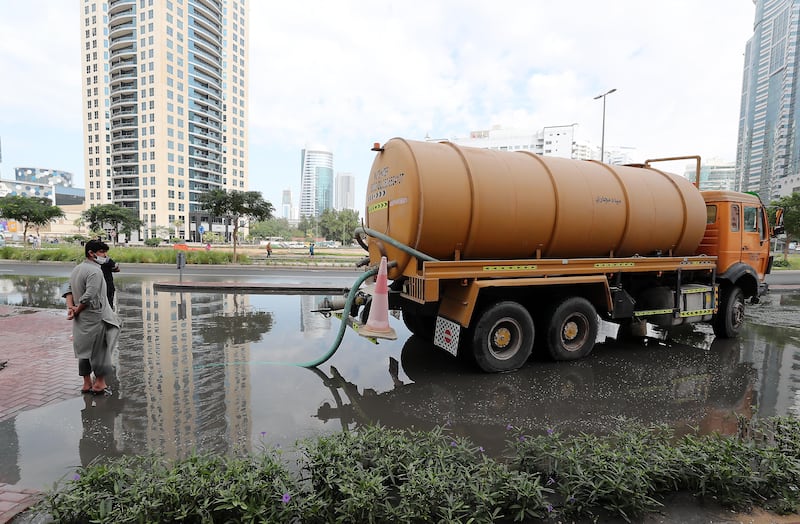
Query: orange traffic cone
377, 325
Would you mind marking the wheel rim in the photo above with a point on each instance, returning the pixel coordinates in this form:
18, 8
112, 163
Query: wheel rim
574, 332
505, 338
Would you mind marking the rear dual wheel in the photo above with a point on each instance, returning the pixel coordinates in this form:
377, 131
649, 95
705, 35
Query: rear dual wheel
502, 339
571, 329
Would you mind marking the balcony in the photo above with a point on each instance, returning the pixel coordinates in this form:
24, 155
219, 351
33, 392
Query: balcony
123, 87
204, 144
122, 122
126, 194
205, 19
124, 101
202, 71
198, 153
117, 44
124, 135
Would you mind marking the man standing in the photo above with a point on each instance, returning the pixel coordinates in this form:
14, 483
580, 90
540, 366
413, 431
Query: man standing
95, 327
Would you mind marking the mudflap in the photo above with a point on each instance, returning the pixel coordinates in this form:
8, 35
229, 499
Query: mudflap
446, 335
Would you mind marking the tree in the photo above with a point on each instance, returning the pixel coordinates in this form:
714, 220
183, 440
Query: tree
177, 224
338, 225
791, 218
119, 219
307, 223
236, 206
274, 227
30, 211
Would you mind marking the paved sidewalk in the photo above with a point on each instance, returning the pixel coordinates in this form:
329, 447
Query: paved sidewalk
39, 368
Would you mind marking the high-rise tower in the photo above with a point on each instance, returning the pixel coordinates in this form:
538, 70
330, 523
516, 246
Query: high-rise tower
768, 148
316, 181
164, 92
345, 193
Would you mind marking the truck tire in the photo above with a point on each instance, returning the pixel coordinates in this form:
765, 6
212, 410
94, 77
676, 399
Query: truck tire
503, 337
729, 319
572, 329
419, 324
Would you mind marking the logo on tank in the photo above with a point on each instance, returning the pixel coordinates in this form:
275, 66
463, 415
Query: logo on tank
382, 181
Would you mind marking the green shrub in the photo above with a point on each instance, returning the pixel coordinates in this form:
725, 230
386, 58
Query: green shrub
152, 242
380, 475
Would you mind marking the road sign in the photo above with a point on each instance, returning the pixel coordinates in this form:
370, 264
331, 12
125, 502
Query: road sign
201, 230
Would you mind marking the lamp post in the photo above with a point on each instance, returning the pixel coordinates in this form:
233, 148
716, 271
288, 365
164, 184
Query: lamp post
603, 132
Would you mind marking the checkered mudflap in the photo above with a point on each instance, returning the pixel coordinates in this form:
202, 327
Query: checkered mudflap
446, 335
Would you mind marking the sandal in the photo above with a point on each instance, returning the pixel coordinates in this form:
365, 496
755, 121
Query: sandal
106, 391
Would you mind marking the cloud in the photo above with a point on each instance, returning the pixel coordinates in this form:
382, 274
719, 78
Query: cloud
348, 73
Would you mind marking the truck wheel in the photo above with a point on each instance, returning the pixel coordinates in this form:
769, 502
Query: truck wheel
503, 337
729, 319
572, 330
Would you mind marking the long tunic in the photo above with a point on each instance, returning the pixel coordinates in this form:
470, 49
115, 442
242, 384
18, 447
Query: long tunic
95, 330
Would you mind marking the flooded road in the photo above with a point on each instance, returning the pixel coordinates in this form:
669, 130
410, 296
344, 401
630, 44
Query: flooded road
213, 372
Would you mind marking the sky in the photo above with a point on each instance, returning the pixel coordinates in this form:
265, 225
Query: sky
348, 73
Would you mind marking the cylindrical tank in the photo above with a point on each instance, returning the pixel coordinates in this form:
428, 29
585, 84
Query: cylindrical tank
440, 198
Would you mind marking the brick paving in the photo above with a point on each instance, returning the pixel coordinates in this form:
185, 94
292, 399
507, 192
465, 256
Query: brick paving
35, 349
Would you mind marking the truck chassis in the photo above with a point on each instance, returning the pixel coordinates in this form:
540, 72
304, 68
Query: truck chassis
496, 311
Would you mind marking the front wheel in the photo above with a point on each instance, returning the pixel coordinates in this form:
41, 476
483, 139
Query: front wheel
729, 319
503, 337
572, 329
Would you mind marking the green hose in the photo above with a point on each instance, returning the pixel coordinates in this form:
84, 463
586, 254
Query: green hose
343, 325
389, 240
347, 306
334, 347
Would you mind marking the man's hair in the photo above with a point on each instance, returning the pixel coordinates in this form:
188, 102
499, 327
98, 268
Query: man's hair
95, 246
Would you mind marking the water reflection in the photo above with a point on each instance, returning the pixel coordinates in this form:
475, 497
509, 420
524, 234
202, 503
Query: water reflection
190, 375
31, 291
679, 385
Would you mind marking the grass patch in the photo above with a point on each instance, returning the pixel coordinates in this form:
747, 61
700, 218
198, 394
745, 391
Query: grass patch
142, 255
380, 475
791, 262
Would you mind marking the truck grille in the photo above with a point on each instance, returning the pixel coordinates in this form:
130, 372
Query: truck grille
414, 288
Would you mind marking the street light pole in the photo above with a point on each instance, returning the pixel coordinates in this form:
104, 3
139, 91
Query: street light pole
603, 132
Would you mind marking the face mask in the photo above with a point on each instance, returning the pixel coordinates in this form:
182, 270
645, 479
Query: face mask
101, 260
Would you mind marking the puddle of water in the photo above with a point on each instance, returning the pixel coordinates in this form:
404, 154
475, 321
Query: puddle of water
191, 374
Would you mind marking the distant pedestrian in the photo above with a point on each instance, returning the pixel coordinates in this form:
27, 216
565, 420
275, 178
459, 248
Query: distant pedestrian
95, 326
311, 249
269, 249
110, 267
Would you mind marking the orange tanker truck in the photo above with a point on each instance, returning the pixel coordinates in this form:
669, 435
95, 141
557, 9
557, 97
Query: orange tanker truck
493, 252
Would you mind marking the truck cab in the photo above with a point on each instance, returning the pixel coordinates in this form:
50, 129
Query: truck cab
737, 234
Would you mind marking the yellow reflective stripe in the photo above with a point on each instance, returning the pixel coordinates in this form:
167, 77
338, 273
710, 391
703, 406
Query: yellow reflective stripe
378, 206
615, 264
696, 290
652, 312
698, 313
508, 268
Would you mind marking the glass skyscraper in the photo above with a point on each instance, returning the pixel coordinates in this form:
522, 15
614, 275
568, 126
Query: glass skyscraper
316, 181
768, 149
